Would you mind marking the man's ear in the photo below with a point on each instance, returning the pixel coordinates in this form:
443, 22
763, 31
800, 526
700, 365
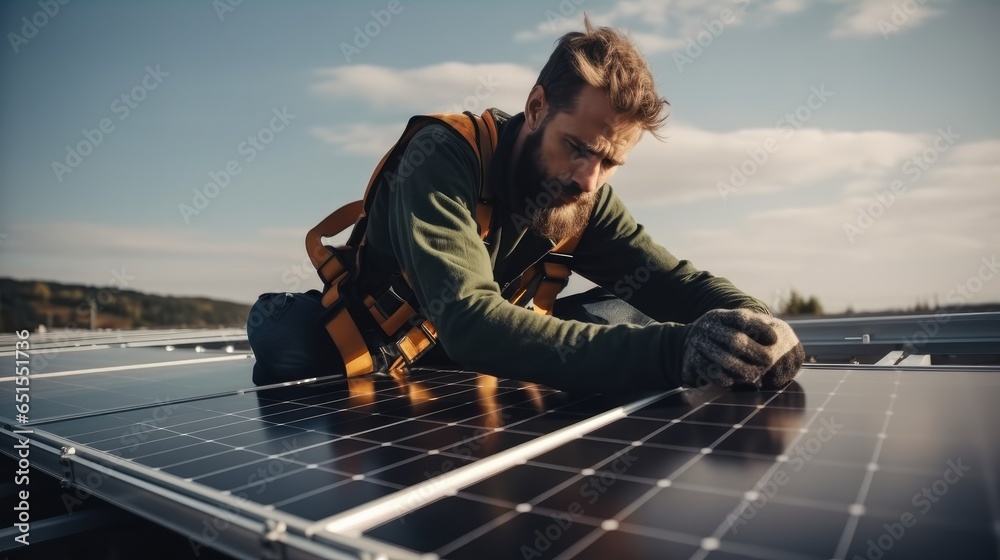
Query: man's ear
535, 108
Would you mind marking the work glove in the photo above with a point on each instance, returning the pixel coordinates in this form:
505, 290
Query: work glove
788, 364
728, 347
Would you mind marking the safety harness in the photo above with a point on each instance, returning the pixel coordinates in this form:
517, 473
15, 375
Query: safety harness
380, 327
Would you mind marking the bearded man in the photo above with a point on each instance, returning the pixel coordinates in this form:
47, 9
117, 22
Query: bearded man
653, 322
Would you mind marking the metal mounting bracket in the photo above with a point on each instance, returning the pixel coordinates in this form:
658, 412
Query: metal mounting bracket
272, 545
67, 465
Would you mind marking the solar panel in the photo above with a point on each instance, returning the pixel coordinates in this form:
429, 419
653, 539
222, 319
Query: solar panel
848, 461
320, 441
84, 372
75, 383
761, 475
105, 357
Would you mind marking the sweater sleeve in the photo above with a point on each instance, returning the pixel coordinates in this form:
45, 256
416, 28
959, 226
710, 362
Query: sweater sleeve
434, 238
619, 255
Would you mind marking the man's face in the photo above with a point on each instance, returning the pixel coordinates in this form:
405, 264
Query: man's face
565, 161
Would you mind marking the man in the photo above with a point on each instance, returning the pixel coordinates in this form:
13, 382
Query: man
677, 327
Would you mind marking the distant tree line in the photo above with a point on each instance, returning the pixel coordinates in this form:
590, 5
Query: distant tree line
26, 304
796, 304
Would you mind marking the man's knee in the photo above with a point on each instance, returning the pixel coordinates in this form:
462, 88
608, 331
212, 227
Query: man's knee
599, 306
266, 309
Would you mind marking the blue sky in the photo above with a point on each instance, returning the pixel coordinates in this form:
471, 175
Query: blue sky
823, 105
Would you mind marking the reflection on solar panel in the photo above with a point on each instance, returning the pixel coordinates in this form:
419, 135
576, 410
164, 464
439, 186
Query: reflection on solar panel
849, 461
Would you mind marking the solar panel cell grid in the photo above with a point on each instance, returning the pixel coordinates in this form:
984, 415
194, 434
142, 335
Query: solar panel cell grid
739, 476
288, 445
56, 393
832, 466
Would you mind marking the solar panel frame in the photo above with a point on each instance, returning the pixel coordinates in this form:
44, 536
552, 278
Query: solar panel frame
146, 477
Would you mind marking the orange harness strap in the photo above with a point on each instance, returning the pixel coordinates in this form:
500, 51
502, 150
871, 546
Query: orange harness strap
551, 274
411, 334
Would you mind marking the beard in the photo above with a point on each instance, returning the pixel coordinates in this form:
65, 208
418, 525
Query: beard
568, 220
555, 208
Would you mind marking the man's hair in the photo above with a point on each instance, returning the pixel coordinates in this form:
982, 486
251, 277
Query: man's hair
608, 60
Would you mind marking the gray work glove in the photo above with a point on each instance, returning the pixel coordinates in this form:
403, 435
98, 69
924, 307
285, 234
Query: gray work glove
784, 369
728, 347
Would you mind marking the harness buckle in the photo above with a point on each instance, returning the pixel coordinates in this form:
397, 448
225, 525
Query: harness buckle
431, 339
562, 278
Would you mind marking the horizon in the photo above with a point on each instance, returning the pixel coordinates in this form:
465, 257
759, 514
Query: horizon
845, 150
918, 307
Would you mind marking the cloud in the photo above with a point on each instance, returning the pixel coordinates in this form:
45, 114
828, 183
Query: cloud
665, 26
661, 26
785, 228
128, 242
815, 182
873, 18
786, 6
161, 260
360, 139
693, 163
652, 43
444, 87
849, 247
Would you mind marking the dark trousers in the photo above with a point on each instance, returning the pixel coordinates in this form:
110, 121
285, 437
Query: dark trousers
289, 343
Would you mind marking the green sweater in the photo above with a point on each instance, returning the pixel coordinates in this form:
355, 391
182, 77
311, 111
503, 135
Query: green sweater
423, 221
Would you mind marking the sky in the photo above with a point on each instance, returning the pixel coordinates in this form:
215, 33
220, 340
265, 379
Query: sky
844, 149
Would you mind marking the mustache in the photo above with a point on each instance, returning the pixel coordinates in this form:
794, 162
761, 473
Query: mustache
573, 189
577, 194
564, 186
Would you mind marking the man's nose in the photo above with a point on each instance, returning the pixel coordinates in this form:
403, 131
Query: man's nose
587, 174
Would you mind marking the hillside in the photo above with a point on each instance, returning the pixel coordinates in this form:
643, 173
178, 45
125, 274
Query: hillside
29, 303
